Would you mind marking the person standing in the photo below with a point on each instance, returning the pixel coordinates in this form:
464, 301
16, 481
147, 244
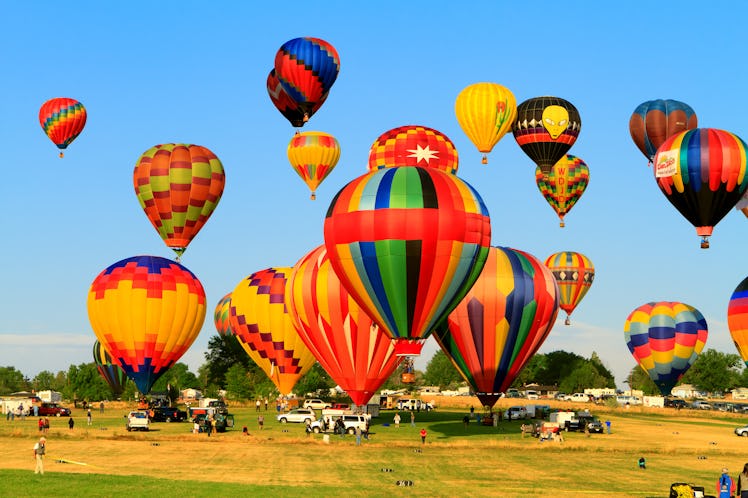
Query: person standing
358, 435
266, 404
40, 448
41, 425
88, 416
71, 423
607, 425
397, 420
412, 418
46, 425
101, 407
257, 405
743, 482
725, 485
260, 421
423, 436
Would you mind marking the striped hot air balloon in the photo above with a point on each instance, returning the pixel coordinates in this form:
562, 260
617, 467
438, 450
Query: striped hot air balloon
574, 274
109, 371
146, 311
62, 119
665, 338
564, 184
413, 145
260, 321
407, 244
348, 345
221, 316
178, 186
655, 121
737, 318
313, 155
287, 106
501, 323
702, 172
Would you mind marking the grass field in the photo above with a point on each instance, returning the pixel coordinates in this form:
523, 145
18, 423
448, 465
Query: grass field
104, 459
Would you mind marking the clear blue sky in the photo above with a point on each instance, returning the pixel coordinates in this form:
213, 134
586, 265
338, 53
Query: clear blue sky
194, 72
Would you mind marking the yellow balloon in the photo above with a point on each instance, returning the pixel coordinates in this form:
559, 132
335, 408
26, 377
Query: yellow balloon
485, 112
313, 155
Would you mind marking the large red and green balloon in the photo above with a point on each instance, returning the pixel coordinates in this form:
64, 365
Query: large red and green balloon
501, 323
356, 354
62, 119
109, 370
146, 311
737, 318
665, 339
574, 274
655, 121
564, 184
702, 172
407, 244
178, 186
259, 319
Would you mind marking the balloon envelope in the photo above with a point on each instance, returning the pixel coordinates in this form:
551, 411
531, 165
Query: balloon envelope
62, 119
350, 347
574, 274
407, 243
737, 318
501, 323
260, 321
564, 184
287, 106
545, 129
221, 316
485, 112
665, 338
313, 155
178, 186
655, 121
413, 145
702, 173
146, 311
110, 371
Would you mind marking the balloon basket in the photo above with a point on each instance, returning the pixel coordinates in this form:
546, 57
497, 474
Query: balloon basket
705, 243
484, 159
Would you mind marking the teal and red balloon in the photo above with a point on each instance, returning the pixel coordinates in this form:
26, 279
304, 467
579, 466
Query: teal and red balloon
407, 244
665, 339
501, 323
655, 121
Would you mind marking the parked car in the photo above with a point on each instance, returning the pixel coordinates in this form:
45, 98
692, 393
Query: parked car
53, 410
676, 403
137, 421
701, 405
350, 422
742, 431
515, 413
223, 422
580, 397
532, 394
167, 414
297, 415
316, 404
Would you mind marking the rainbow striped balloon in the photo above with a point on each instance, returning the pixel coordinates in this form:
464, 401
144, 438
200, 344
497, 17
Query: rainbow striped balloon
146, 311
350, 347
564, 184
221, 316
737, 318
407, 244
413, 145
260, 321
501, 323
574, 273
665, 338
62, 119
109, 371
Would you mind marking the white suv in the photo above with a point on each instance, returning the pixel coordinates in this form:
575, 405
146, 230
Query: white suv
316, 404
350, 422
298, 415
138, 421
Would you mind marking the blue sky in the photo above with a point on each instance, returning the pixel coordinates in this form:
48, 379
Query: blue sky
194, 72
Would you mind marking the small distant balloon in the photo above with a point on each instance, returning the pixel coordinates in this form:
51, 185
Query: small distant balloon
485, 112
62, 119
313, 155
563, 186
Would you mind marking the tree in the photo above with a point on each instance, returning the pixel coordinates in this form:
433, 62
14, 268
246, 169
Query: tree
714, 372
639, 379
178, 377
85, 383
44, 380
315, 380
238, 385
440, 371
223, 352
12, 380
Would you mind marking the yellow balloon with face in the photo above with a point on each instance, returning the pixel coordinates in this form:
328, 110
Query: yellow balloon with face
555, 120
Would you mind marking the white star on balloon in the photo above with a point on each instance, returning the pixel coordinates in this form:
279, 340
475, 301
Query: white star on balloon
423, 154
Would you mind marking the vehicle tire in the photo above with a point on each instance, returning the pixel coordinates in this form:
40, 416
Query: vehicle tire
168, 419
744, 434
129, 428
57, 414
315, 430
351, 430
283, 421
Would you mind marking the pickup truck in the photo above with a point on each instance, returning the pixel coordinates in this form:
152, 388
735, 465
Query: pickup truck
137, 421
167, 414
53, 410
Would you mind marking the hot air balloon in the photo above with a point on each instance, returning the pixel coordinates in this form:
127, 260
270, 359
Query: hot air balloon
221, 316
501, 323
737, 318
348, 345
413, 145
545, 129
655, 121
146, 311
407, 244
62, 119
485, 112
665, 339
313, 155
178, 186
307, 68
287, 106
564, 184
110, 371
574, 274
702, 173
260, 321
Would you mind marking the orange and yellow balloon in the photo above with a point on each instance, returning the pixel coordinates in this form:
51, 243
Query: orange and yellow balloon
313, 155
737, 318
62, 119
564, 185
146, 311
485, 112
574, 273
260, 321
